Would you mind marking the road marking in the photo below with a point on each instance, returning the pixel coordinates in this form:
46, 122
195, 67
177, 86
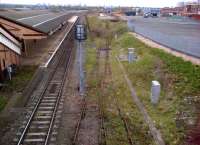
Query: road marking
31, 17
181, 23
48, 20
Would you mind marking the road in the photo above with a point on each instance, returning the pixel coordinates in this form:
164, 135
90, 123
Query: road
179, 34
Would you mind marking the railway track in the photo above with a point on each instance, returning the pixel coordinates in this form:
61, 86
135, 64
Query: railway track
41, 124
125, 123
78, 125
108, 79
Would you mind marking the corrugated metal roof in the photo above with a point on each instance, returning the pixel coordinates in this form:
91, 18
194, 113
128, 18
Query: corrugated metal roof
45, 21
9, 41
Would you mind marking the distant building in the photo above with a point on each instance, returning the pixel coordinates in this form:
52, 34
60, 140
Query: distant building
172, 11
107, 10
130, 13
149, 10
192, 9
137, 10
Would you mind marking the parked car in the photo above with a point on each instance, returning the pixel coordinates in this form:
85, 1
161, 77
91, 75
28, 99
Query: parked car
146, 15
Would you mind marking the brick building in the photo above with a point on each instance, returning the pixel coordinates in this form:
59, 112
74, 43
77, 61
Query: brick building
10, 51
172, 11
192, 10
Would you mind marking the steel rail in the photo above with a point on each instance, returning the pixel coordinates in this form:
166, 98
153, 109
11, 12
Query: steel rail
58, 99
36, 106
43, 92
82, 116
125, 124
108, 73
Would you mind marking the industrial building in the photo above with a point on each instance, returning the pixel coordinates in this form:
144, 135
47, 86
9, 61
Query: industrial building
172, 11
149, 10
190, 9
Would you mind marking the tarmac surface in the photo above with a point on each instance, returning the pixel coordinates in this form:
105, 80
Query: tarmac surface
180, 34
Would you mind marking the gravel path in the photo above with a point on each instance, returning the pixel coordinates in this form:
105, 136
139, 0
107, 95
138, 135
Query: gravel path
89, 128
72, 107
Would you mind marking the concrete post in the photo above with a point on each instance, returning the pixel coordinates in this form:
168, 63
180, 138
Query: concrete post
131, 55
155, 92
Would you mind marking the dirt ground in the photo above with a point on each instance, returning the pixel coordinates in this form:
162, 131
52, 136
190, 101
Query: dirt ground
88, 133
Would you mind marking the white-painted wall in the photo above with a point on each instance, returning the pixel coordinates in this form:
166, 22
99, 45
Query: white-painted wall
4, 40
9, 36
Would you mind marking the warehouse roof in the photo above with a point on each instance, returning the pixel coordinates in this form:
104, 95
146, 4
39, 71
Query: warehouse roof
19, 23
9, 40
42, 21
20, 30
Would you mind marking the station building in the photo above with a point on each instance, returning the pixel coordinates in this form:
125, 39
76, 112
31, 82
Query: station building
33, 29
20, 35
10, 51
23, 32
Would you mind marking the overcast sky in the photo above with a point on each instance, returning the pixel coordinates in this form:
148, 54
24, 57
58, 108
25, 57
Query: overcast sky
142, 3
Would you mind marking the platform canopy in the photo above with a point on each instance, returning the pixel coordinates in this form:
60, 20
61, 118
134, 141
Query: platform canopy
21, 30
34, 24
9, 40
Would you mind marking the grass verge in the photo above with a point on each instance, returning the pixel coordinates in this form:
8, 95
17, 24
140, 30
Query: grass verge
17, 84
115, 131
178, 105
